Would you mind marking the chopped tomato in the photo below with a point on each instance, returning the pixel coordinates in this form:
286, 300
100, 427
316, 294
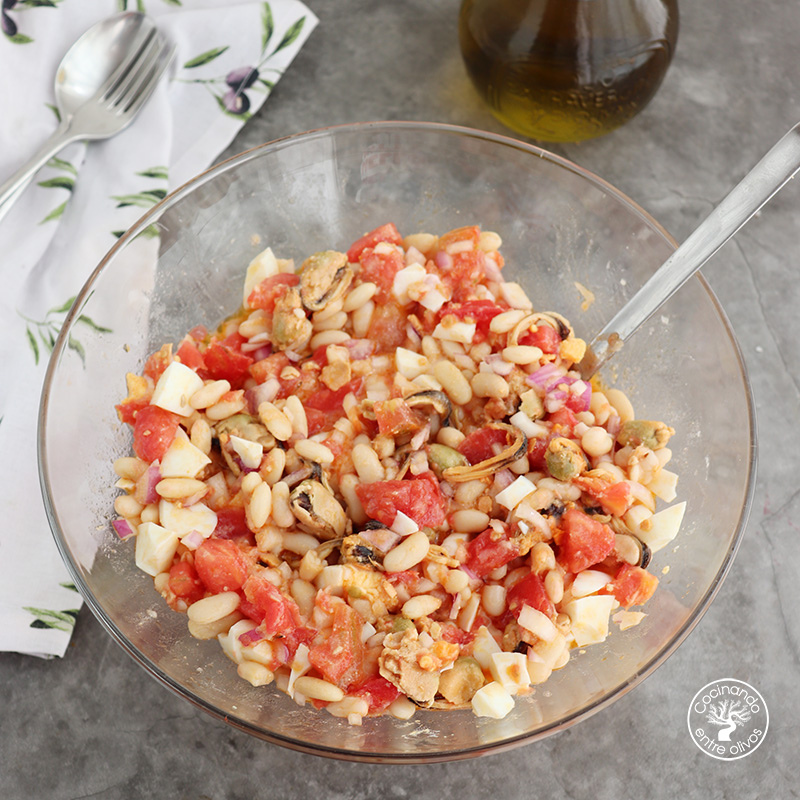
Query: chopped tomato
383, 233
232, 524
387, 328
340, 658
185, 583
480, 444
529, 591
221, 565
582, 541
129, 408
633, 586
564, 418
280, 613
380, 269
378, 692
296, 637
488, 551
325, 399
614, 498
158, 362
408, 579
467, 272
319, 421
396, 418
190, 355
418, 497
266, 294
269, 367
481, 312
225, 361
452, 633
153, 432
546, 338
469, 233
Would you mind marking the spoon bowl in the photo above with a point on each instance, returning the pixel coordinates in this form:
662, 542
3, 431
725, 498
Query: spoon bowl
95, 56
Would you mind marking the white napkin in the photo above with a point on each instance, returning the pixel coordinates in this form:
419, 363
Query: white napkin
58, 231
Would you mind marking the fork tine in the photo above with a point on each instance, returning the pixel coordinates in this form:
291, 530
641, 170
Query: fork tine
128, 83
144, 38
147, 85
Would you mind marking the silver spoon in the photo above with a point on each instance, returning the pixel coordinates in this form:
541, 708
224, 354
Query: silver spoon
100, 85
763, 181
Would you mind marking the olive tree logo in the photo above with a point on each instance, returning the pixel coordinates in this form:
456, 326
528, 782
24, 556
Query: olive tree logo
728, 719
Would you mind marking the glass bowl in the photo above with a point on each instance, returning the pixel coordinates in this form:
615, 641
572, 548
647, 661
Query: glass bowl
182, 265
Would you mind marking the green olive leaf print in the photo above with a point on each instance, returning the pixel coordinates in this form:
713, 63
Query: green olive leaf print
205, 58
267, 25
41, 334
291, 35
64, 181
9, 20
54, 620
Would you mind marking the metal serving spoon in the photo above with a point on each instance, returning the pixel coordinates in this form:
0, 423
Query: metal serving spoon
763, 181
100, 85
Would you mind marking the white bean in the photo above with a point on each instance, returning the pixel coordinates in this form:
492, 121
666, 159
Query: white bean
359, 296
421, 605
310, 450
470, 520
367, 464
213, 608
456, 386
318, 689
209, 394
408, 553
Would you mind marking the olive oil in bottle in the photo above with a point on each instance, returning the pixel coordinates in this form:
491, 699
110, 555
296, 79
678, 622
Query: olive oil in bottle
567, 70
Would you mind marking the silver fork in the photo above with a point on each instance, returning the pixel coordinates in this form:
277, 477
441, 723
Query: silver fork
111, 109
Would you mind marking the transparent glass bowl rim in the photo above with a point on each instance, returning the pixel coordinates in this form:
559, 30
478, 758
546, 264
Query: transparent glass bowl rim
210, 174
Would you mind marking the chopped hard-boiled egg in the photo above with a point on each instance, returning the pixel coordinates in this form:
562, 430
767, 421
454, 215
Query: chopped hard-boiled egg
462, 332
174, 388
664, 485
404, 279
537, 623
264, 265
492, 700
182, 459
664, 527
410, 364
249, 452
484, 647
516, 492
589, 616
155, 548
300, 665
588, 582
510, 671
198, 517
403, 524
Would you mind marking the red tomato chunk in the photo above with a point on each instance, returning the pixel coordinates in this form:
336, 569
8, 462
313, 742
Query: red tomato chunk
633, 586
488, 551
221, 565
583, 541
383, 233
529, 591
419, 498
153, 432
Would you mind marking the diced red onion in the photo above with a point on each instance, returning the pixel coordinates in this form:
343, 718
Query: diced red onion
153, 478
499, 365
195, 498
292, 356
503, 478
295, 477
420, 437
251, 637
193, 539
281, 652
123, 528
444, 260
382, 539
544, 375
263, 352
613, 424
412, 334
492, 270
470, 573
414, 256
359, 348
263, 393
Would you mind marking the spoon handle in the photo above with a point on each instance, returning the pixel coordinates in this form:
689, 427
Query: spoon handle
766, 178
11, 189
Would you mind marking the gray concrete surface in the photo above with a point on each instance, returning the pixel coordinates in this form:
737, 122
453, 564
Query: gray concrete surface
95, 725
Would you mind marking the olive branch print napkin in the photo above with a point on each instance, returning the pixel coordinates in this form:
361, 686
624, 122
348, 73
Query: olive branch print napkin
230, 54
